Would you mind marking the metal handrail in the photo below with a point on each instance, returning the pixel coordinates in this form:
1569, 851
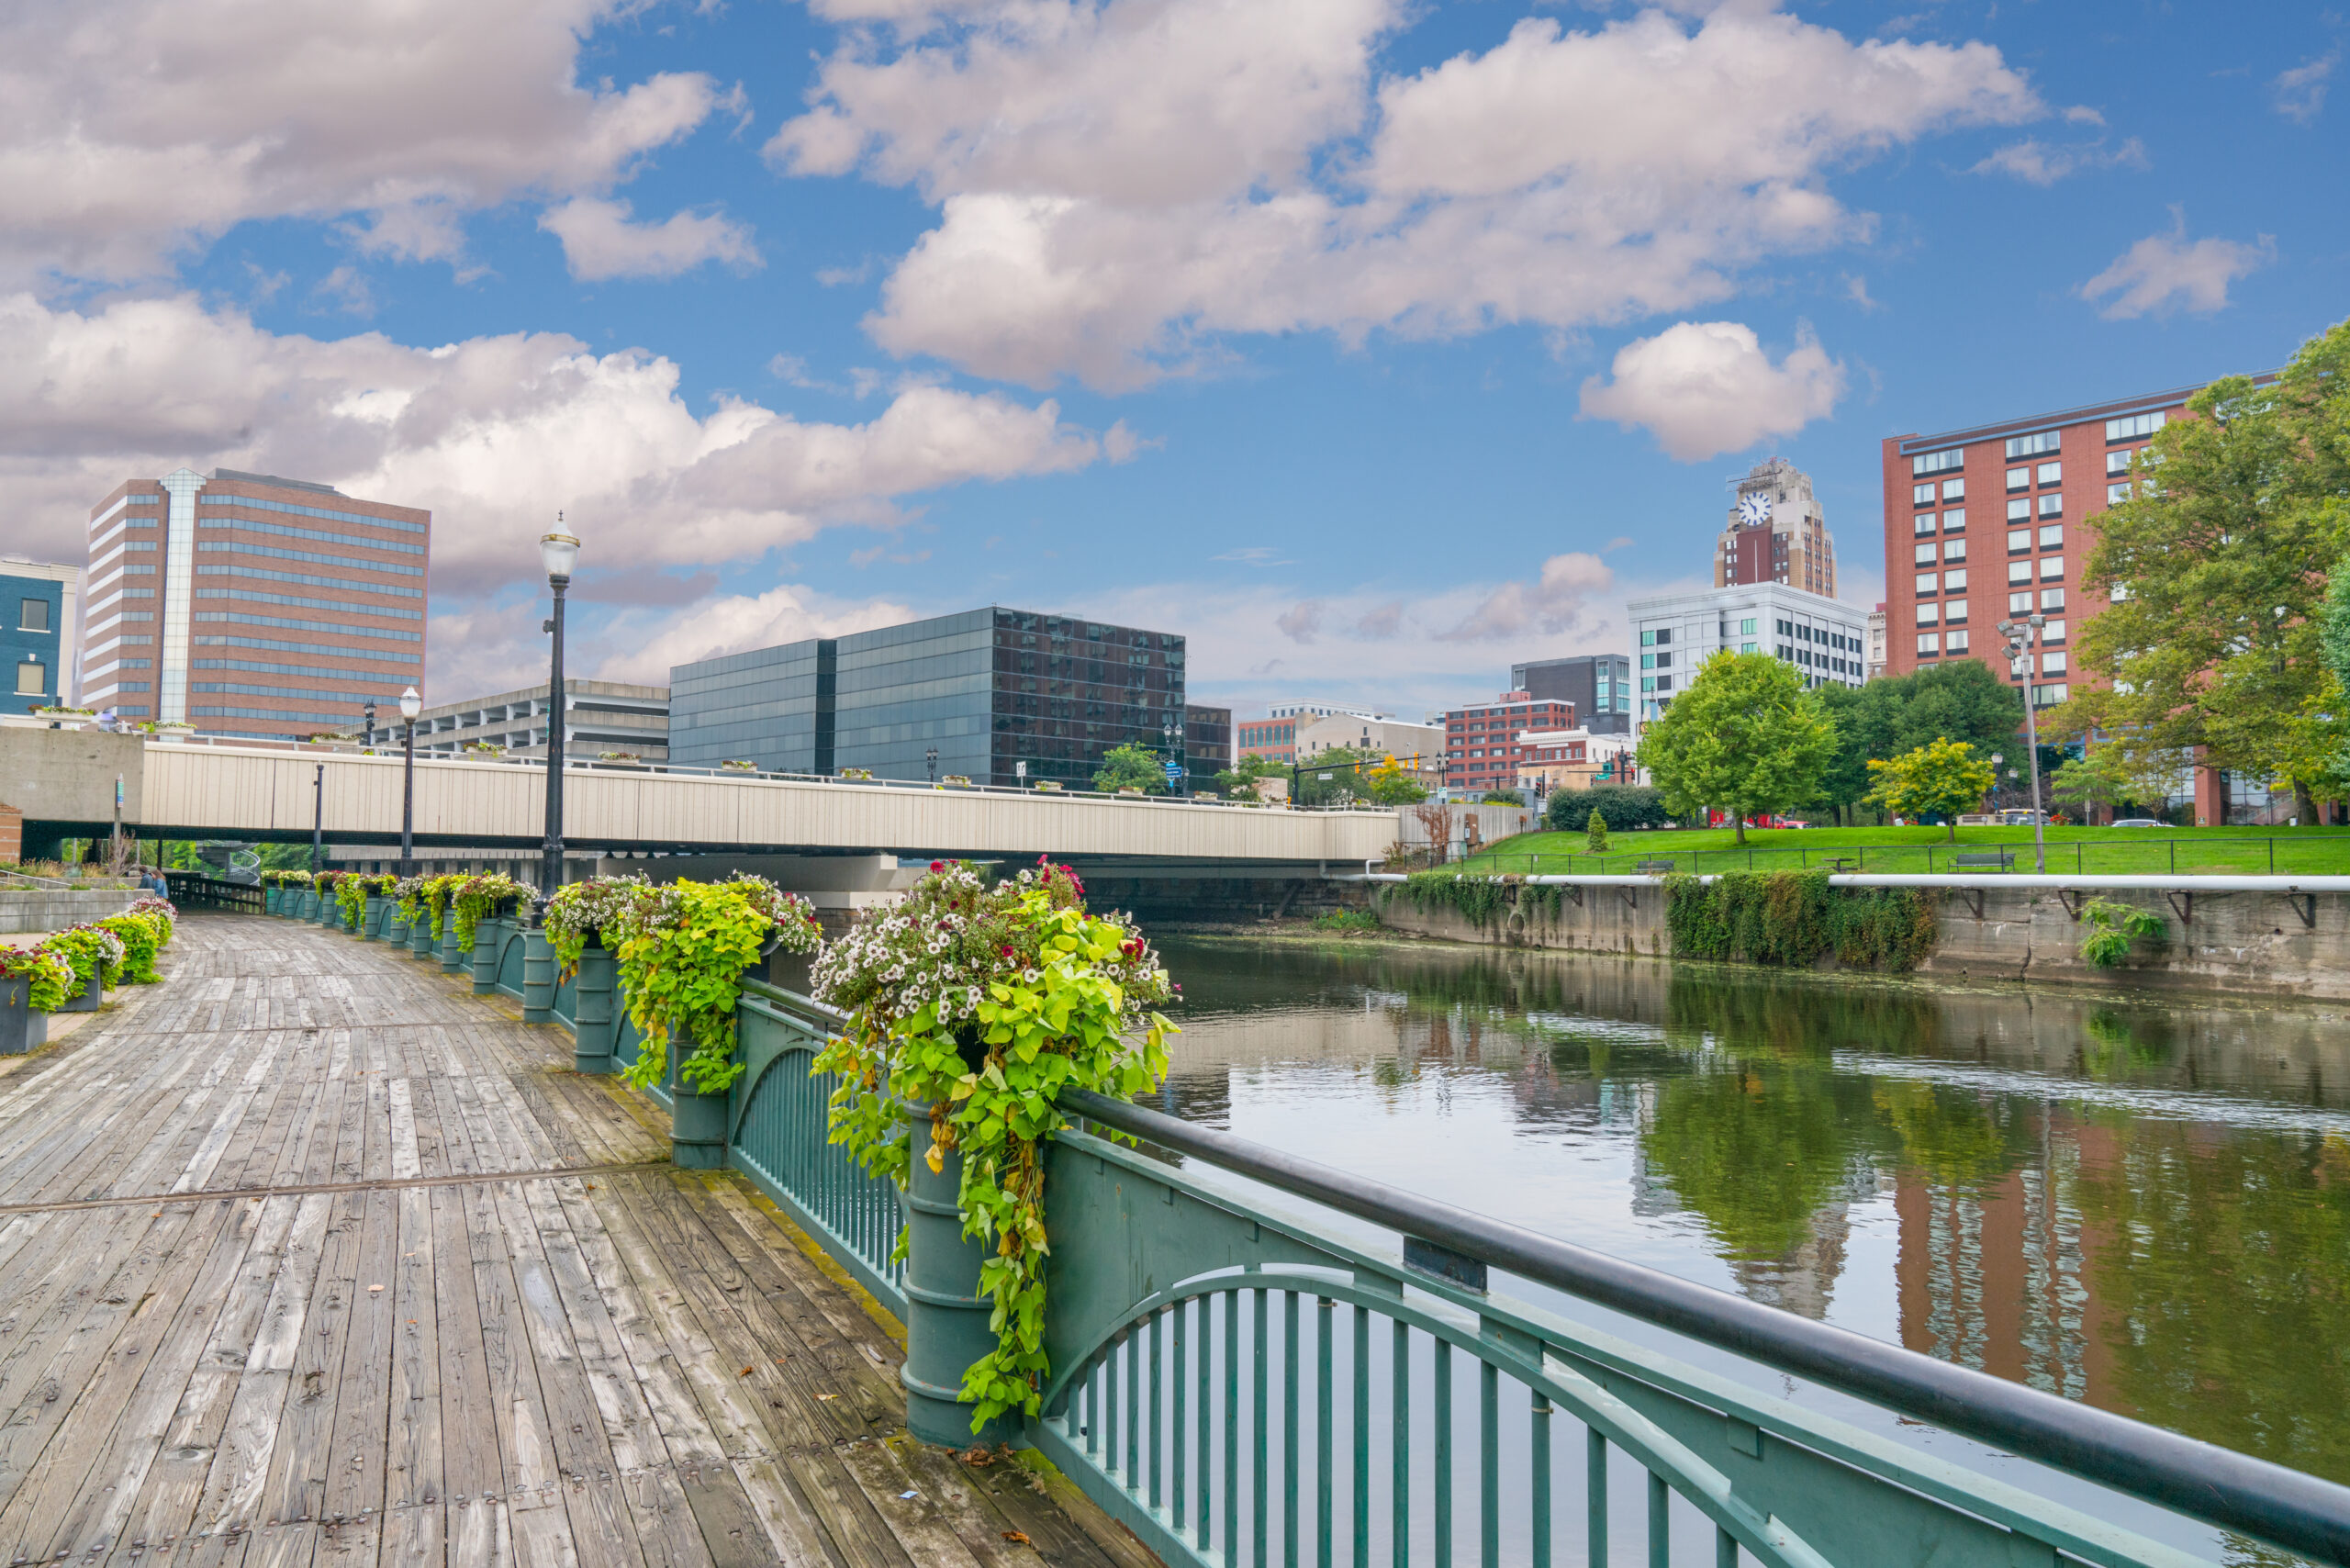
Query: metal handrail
2287, 1507
2329, 882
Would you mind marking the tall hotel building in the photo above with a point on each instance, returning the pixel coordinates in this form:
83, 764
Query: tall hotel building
1996, 520
249, 605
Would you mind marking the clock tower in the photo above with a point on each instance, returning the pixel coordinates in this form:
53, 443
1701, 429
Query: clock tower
1776, 532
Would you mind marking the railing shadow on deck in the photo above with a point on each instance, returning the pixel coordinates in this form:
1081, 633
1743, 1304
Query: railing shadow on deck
1240, 1383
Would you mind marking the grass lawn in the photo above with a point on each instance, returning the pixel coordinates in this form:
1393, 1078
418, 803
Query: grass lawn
2152, 851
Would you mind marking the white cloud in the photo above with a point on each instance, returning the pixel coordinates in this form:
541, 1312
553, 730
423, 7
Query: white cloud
2044, 163
1704, 387
1301, 622
600, 242
132, 129
1120, 183
1555, 601
2164, 272
2299, 94
734, 623
494, 434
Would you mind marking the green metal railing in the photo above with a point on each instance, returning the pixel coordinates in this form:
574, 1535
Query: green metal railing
2189, 851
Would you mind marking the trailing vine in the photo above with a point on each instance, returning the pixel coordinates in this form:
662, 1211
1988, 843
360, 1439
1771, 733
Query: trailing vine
1791, 919
2110, 927
50, 973
1477, 899
582, 909
476, 898
974, 1007
92, 950
682, 948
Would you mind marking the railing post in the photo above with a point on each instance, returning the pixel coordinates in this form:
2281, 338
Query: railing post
538, 977
592, 1022
947, 1317
490, 945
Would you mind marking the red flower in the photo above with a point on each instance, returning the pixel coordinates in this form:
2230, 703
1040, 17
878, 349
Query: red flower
1007, 952
938, 865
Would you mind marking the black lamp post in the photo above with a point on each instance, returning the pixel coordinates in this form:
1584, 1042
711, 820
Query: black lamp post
318, 816
1173, 731
367, 724
931, 761
410, 706
558, 551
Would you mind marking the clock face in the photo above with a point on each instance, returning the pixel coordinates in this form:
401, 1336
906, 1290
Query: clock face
1754, 510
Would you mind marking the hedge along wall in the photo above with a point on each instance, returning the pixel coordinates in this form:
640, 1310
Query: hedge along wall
1788, 919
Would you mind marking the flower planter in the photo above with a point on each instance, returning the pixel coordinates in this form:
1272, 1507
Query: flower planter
696, 1121
792, 972
419, 937
489, 941
269, 898
453, 957
594, 1033
370, 922
175, 734
947, 1317
395, 925
21, 1028
330, 910
538, 979
88, 998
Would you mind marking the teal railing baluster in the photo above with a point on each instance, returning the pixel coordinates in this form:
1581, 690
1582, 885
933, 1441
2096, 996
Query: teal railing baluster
1134, 1412
1289, 1429
1175, 1433
1443, 1402
1259, 1407
1361, 1436
1660, 1522
1399, 1545
1157, 1411
1110, 1409
1207, 1427
1092, 1411
1232, 1427
1489, 1465
1725, 1549
1594, 1495
1538, 1442
1322, 1495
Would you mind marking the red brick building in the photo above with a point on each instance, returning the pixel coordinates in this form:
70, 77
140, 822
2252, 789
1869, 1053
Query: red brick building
1480, 745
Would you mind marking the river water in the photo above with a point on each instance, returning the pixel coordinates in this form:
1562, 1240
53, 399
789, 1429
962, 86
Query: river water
2140, 1202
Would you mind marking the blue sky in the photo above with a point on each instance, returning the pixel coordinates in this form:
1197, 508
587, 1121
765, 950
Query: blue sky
1374, 346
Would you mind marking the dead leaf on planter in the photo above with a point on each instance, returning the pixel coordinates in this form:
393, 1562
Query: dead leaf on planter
977, 1456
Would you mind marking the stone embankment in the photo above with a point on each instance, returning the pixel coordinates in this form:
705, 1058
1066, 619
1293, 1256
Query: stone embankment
54, 909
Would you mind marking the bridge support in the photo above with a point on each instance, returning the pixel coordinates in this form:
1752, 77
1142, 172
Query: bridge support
947, 1317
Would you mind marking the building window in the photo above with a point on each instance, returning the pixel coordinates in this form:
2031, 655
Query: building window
2052, 598
1954, 612
2019, 571
1648, 684
1955, 550
1664, 683
32, 679
2116, 494
2052, 664
2019, 479
1924, 523
2033, 446
2019, 603
2136, 428
1953, 489
1927, 463
2019, 511
1929, 645
2054, 631
1922, 494
1925, 554
1746, 648
2051, 568
1746, 628
1956, 642
1955, 520
1928, 582
32, 615
2019, 540
1930, 614
2051, 473
2118, 461
2052, 536
2052, 505
2048, 696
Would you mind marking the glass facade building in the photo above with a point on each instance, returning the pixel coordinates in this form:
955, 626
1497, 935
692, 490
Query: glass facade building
976, 694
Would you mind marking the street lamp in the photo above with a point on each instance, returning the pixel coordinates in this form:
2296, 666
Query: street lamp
2021, 636
367, 729
558, 551
410, 706
1173, 731
930, 761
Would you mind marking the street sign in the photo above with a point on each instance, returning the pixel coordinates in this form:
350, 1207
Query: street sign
1174, 772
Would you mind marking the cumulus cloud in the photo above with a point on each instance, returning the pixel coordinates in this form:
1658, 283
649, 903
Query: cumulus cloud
2299, 94
1381, 622
1553, 602
1121, 180
132, 129
600, 242
2044, 163
734, 623
2164, 273
1301, 621
493, 433
1702, 387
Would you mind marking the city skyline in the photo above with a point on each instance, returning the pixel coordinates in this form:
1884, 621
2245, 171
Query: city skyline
1359, 407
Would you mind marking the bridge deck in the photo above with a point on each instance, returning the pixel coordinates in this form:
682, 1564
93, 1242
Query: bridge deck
309, 1256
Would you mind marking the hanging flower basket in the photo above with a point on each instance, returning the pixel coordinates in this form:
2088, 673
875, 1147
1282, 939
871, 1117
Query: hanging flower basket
956, 780
738, 764
977, 1005
860, 775
1050, 786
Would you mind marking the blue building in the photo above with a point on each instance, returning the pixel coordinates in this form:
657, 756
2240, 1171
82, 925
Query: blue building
978, 694
39, 606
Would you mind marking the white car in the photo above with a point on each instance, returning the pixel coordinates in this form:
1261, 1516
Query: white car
2140, 822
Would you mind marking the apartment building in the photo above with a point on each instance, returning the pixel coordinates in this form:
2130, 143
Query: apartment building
1599, 684
1824, 638
247, 604
1484, 748
41, 606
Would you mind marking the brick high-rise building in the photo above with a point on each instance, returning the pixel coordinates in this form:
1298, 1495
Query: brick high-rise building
1776, 533
1481, 746
249, 605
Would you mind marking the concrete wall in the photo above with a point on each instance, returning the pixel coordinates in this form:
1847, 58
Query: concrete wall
67, 777
55, 908
2255, 943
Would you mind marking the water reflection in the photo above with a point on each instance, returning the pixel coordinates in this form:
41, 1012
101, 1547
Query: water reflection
2142, 1204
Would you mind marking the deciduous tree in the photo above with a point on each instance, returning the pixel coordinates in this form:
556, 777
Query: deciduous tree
1941, 777
1131, 768
1746, 737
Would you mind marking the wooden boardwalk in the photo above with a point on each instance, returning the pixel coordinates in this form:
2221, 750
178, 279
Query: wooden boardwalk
309, 1256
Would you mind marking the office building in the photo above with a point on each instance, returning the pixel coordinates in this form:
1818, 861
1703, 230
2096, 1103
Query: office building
1374, 737
2032, 488
249, 605
1776, 533
1572, 759
1207, 742
1599, 684
1319, 711
1275, 736
1873, 662
1824, 638
1482, 749
978, 694
41, 606
601, 716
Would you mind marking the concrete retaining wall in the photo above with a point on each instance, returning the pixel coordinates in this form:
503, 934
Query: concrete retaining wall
2257, 943
54, 909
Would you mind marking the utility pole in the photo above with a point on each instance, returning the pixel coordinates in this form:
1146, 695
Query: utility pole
2021, 636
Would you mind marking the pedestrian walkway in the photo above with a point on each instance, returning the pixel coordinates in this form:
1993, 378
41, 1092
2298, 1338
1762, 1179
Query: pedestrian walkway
307, 1256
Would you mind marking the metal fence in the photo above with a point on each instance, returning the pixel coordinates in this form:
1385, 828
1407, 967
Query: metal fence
2156, 853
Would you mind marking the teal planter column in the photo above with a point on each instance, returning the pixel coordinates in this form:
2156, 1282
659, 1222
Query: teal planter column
330, 910
269, 897
395, 925
697, 1121
489, 945
947, 1317
419, 937
453, 957
371, 925
595, 1028
538, 977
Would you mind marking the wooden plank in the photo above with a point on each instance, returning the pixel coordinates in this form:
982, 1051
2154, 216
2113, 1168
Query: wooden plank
471, 1467
236, 1490
362, 1389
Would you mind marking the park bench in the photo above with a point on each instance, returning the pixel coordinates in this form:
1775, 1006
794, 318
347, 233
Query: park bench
1840, 862
2000, 858
1653, 867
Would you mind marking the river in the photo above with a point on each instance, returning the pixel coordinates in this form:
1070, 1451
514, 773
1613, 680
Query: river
2143, 1202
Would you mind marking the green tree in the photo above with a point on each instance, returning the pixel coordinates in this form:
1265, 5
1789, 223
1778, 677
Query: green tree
1240, 779
2099, 776
1961, 701
1391, 784
1943, 777
1131, 768
2216, 573
1596, 830
1746, 737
